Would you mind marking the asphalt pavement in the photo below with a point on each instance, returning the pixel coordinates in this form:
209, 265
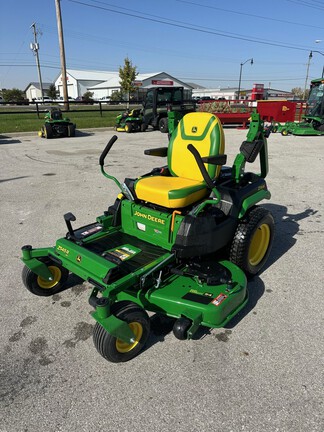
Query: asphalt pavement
262, 373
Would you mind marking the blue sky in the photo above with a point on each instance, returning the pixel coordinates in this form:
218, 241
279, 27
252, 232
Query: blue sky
201, 41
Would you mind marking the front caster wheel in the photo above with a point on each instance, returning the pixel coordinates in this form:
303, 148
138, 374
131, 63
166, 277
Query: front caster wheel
42, 287
114, 349
181, 327
253, 240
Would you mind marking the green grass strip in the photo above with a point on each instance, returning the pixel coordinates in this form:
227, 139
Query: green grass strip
30, 122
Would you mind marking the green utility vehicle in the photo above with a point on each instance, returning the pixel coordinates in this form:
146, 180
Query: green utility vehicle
56, 125
178, 242
313, 123
129, 121
160, 100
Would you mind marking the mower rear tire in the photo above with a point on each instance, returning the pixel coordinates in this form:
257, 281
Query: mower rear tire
284, 132
71, 130
321, 128
128, 127
163, 125
114, 349
253, 240
41, 287
48, 130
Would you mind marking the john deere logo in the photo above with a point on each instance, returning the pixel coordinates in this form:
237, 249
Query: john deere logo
194, 129
78, 258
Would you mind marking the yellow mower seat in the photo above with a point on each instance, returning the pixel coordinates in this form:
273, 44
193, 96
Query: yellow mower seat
185, 186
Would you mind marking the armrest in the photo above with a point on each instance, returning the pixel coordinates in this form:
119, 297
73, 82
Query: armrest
161, 152
215, 160
250, 150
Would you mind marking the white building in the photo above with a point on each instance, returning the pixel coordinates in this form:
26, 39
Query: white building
231, 93
105, 83
33, 90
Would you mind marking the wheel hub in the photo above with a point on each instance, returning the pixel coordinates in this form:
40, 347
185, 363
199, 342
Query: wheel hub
56, 277
259, 244
124, 347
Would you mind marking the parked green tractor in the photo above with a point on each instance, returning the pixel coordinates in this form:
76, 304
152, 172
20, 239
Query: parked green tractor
313, 120
56, 125
178, 242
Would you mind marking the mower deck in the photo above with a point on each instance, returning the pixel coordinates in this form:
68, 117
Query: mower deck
207, 292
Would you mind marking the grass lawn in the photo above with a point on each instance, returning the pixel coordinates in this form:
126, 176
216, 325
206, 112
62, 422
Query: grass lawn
30, 122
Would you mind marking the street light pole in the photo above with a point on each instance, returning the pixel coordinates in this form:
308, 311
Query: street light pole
319, 52
239, 87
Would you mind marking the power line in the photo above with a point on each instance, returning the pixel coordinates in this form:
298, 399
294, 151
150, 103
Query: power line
191, 27
27, 65
182, 78
310, 5
235, 80
248, 14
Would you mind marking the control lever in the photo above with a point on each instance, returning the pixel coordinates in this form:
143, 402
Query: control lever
69, 217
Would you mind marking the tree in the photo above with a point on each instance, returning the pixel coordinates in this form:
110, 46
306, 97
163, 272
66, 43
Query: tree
52, 92
127, 75
298, 93
87, 97
13, 95
116, 96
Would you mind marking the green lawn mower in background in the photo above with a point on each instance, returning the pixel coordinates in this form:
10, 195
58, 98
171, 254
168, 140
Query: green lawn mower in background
179, 241
129, 121
313, 120
56, 125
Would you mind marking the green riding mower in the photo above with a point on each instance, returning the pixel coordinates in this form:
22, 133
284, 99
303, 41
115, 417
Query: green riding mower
179, 241
56, 125
129, 121
313, 120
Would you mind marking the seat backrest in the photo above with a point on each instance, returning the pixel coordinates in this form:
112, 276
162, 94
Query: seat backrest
204, 131
56, 114
135, 112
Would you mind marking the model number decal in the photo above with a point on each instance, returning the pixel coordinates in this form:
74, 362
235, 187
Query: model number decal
64, 250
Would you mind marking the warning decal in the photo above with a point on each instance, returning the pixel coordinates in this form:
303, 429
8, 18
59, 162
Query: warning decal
219, 299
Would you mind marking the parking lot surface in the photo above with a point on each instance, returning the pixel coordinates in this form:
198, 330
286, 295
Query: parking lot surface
262, 373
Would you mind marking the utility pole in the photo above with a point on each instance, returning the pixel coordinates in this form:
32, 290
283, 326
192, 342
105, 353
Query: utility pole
62, 54
34, 46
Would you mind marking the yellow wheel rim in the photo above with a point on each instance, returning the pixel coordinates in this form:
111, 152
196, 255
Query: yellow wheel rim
124, 347
259, 244
45, 284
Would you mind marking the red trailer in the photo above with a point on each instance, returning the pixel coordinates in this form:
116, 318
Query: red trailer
277, 110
